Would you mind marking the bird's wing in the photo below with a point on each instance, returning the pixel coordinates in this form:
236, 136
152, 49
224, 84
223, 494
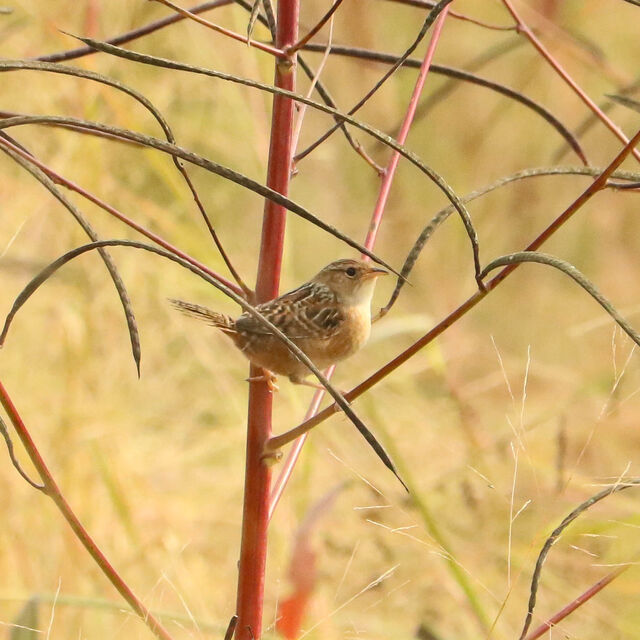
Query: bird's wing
309, 311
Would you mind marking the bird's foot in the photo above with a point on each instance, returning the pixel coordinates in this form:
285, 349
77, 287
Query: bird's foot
314, 385
267, 377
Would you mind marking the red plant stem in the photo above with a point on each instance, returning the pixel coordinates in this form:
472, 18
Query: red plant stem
327, 16
296, 449
374, 226
578, 602
404, 130
546, 54
599, 183
279, 53
53, 491
58, 179
255, 518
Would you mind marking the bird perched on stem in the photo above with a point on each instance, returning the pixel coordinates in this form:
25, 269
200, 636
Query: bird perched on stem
329, 318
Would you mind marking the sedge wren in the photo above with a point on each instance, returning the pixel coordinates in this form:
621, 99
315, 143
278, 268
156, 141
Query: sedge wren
329, 318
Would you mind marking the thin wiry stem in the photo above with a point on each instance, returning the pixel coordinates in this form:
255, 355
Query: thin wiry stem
535, 580
325, 18
572, 272
430, 19
14, 461
278, 53
465, 76
209, 165
546, 54
10, 65
597, 185
457, 15
134, 34
53, 491
390, 172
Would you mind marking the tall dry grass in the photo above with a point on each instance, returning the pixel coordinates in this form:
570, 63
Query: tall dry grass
529, 400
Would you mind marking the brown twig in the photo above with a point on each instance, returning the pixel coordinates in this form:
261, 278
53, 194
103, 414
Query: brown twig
455, 14
370, 239
325, 18
599, 183
535, 580
546, 54
278, 53
575, 604
52, 490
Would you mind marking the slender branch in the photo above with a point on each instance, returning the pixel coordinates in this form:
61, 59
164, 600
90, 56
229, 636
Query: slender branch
572, 272
56, 177
133, 34
385, 187
430, 19
535, 580
325, 18
526, 30
575, 604
53, 491
455, 14
15, 462
278, 53
279, 441
465, 76
374, 226
209, 165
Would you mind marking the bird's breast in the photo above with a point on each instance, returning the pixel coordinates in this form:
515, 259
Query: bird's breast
352, 334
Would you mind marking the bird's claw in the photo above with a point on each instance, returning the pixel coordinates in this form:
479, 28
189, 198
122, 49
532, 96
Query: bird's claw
267, 377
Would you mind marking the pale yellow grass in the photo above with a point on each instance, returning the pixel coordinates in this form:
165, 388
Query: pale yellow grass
154, 467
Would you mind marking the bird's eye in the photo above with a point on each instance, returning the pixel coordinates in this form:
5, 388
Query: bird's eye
351, 271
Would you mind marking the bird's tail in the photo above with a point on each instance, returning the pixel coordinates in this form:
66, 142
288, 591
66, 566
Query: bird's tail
219, 320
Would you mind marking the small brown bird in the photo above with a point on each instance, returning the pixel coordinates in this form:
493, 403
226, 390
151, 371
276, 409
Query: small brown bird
329, 318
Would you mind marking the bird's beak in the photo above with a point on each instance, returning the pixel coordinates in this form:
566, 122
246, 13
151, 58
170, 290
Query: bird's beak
374, 272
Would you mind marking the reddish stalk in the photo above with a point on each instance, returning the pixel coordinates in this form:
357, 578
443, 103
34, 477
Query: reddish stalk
255, 519
275, 51
327, 16
58, 179
52, 490
599, 183
546, 54
572, 606
374, 226
404, 129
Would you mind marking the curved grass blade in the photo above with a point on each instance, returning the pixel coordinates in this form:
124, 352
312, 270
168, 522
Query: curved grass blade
438, 180
535, 580
465, 76
209, 165
48, 271
573, 273
426, 25
14, 461
35, 65
443, 214
48, 184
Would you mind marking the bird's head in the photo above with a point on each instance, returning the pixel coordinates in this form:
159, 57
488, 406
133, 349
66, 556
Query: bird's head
352, 281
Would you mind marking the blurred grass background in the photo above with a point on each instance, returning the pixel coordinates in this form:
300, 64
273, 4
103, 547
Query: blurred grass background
154, 467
